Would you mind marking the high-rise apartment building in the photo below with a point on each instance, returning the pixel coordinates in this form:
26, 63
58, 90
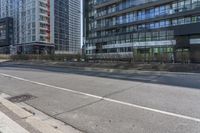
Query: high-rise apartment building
40, 26
31, 24
143, 29
67, 22
6, 34
74, 25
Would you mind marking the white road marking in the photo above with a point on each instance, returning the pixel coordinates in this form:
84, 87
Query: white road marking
106, 99
7, 125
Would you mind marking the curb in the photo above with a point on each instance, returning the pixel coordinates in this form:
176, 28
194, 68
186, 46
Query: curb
28, 117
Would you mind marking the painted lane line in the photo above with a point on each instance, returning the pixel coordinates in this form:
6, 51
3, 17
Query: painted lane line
106, 99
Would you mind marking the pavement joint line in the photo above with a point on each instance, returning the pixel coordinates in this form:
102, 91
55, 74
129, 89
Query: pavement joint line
80, 107
50, 117
106, 99
120, 91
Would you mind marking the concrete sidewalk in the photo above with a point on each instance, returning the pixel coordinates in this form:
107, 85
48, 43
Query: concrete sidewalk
11, 122
3, 60
7, 125
20, 118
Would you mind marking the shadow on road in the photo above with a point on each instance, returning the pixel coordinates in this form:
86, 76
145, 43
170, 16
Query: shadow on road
173, 79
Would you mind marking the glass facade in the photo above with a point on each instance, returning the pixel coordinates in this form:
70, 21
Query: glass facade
67, 25
46, 22
126, 25
31, 19
6, 34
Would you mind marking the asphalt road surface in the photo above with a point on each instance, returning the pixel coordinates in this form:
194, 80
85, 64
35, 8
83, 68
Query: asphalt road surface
100, 102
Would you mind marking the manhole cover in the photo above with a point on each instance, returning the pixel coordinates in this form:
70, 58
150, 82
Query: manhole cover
21, 98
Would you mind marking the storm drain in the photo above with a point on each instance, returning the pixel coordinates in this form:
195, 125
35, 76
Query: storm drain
21, 98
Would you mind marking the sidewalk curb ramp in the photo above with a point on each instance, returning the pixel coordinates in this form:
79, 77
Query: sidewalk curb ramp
34, 121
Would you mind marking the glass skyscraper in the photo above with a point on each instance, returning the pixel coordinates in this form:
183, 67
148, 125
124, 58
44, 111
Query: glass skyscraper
150, 30
67, 25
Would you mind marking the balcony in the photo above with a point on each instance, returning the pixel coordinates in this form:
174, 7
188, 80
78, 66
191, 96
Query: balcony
105, 3
169, 15
134, 8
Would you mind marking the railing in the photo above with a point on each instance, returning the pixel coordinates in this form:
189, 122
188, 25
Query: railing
101, 2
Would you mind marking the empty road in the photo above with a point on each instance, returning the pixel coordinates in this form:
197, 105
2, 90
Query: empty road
102, 102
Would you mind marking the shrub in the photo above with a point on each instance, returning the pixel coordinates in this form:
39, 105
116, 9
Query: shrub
59, 57
4, 57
